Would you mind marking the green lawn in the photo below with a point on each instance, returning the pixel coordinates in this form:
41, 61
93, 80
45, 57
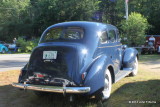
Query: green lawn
140, 91
144, 58
145, 87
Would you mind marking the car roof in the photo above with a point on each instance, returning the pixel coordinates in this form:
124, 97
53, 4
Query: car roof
90, 28
84, 24
79, 23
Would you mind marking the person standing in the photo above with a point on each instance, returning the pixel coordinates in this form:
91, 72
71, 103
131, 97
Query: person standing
14, 42
152, 39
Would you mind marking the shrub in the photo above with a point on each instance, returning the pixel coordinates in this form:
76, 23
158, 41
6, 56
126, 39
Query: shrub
26, 46
134, 28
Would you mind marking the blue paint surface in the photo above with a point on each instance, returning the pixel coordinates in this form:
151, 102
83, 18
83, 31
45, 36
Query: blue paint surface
98, 49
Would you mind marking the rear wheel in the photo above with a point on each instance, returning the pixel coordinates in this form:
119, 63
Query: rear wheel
3, 51
158, 49
142, 52
105, 93
150, 51
135, 68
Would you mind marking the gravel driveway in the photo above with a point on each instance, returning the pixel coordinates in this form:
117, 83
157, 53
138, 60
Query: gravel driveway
13, 61
153, 66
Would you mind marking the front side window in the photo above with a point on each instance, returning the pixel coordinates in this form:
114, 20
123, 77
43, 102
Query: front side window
62, 34
118, 38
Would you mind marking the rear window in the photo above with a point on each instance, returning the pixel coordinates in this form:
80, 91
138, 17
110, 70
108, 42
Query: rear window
63, 34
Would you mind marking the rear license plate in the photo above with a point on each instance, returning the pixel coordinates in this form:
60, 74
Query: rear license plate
49, 54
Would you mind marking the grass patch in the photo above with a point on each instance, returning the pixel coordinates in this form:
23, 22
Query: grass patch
153, 57
139, 91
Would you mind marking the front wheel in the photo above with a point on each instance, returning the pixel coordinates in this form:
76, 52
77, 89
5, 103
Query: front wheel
135, 68
106, 92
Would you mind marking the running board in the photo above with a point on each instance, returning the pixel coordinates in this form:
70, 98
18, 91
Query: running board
122, 73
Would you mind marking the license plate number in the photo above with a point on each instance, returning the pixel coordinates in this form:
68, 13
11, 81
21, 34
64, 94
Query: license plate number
49, 54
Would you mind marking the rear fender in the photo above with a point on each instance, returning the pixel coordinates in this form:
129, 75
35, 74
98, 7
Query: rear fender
129, 57
3, 47
95, 76
23, 73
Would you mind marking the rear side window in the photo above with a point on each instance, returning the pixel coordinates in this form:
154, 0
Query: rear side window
112, 36
103, 37
62, 34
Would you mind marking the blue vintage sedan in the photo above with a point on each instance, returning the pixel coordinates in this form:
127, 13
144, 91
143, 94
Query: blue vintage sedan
3, 49
78, 58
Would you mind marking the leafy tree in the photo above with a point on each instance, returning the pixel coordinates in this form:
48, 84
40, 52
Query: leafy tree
10, 17
31, 17
134, 28
48, 12
150, 9
109, 10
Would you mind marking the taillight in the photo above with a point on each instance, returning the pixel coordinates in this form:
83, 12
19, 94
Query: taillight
40, 75
84, 75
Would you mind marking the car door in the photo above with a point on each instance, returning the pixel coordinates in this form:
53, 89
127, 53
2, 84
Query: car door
115, 48
110, 46
107, 46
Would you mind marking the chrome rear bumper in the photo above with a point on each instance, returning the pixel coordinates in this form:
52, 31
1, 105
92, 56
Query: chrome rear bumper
75, 90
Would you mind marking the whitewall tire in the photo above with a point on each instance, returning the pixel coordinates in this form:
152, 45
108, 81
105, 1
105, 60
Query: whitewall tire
135, 68
106, 92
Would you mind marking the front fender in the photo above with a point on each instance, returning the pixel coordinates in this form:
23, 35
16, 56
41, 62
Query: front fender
95, 76
129, 57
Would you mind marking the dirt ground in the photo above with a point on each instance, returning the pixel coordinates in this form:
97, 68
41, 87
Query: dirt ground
153, 65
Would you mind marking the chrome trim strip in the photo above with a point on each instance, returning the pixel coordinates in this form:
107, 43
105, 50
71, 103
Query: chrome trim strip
110, 46
75, 90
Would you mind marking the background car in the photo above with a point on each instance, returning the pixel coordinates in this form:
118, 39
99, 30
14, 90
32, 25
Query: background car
8, 45
3, 49
78, 58
12, 46
5, 44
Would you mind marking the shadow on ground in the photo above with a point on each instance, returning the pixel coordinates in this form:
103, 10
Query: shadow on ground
136, 91
136, 94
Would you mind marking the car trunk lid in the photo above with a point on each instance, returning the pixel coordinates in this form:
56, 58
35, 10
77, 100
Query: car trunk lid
54, 62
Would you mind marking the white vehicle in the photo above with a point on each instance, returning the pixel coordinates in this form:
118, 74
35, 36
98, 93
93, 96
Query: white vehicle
11, 46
